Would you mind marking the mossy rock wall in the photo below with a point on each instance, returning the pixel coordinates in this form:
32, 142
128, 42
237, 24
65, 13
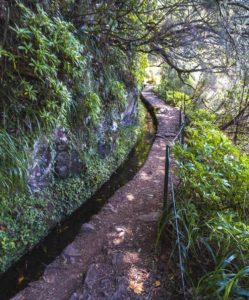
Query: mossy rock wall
58, 156
31, 216
69, 99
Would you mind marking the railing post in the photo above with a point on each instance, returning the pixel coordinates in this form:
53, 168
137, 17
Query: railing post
180, 124
182, 139
180, 117
166, 178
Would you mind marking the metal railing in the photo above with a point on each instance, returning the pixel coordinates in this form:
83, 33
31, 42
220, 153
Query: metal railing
169, 189
180, 137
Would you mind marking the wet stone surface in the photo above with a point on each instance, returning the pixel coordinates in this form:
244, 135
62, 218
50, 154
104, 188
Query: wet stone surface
104, 149
55, 157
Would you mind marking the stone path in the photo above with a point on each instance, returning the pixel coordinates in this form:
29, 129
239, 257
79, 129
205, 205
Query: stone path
113, 256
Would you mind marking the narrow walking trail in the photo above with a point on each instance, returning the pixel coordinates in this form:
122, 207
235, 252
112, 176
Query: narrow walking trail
113, 256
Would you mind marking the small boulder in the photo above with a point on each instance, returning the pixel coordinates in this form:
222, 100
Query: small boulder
104, 149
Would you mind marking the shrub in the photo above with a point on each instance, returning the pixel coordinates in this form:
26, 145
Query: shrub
39, 69
212, 167
173, 90
212, 210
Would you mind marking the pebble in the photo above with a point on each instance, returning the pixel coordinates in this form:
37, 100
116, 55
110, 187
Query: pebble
75, 296
120, 228
87, 227
91, 276
71, 251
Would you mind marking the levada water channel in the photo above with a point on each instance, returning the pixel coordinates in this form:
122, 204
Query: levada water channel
32, 265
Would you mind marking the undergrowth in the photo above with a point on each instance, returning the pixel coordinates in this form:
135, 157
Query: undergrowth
173, 90
212, 201
213, 206
54, 75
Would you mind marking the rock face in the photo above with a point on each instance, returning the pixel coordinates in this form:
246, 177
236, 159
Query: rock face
55, 157
67, 161
39, 173
50, 160
3, 10
109, 130
130, 113
105, 148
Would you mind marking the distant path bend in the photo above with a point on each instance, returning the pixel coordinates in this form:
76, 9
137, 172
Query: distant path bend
113, 257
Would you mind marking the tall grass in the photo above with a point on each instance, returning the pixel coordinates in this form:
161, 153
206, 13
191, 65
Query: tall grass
212, 210
13, 163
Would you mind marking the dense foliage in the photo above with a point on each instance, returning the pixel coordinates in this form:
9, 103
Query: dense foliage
174, 91
212, 167
212, 197
213, 209
54, 73
72, 64
42, 69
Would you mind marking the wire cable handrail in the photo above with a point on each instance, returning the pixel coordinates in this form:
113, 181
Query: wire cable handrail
178, 238
178, 134
168, 179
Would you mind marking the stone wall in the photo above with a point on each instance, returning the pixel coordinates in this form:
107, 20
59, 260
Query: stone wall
55, 157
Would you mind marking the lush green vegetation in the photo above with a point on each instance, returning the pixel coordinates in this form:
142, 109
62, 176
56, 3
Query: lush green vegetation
214, 168
55, 74
212, 203
73, 64
46, 56
28, 218
38, 69
213, 208
174, 91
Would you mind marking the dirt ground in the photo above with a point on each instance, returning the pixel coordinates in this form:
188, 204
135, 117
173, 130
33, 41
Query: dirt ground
113, 257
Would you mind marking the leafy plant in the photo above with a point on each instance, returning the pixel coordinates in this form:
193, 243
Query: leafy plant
138, 68
12, 164
212, 167
54, 75
174, 91
93, 106
213, 207
118, 91
36, 85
